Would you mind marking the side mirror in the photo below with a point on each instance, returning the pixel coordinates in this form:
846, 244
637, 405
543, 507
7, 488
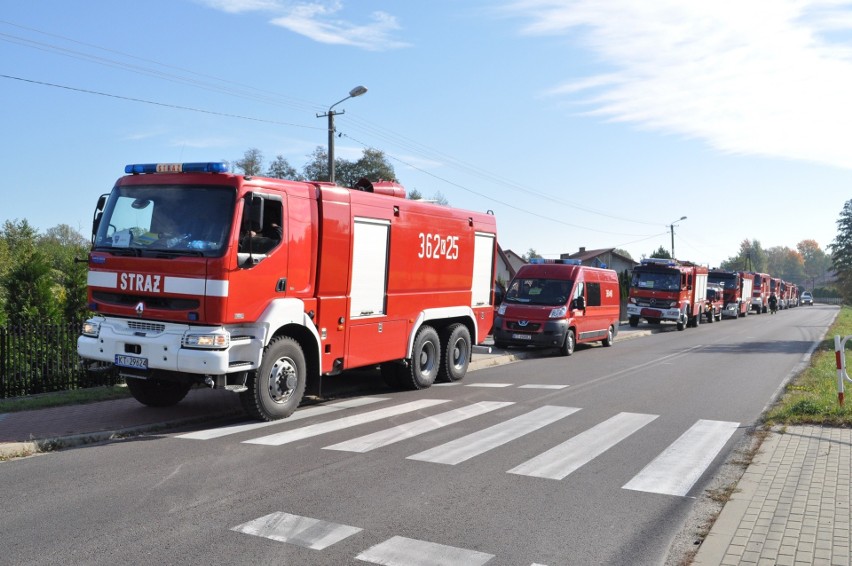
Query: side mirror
580, 303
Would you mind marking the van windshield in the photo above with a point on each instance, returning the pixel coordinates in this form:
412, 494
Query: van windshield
550, 292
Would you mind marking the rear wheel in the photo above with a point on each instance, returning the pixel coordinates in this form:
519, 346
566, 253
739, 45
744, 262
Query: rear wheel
456, 353
568, 345
157, 392
276, 388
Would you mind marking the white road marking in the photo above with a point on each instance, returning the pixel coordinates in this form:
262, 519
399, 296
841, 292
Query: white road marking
536, 386
484, 440
676, 470
412, 429
496, 385
298, 415
339, 424
300, 531
401, 551
567, 457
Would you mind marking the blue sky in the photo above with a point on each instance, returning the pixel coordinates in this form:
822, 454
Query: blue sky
587, 123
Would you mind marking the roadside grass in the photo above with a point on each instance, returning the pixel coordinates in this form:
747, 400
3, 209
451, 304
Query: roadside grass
60, 398
811, 398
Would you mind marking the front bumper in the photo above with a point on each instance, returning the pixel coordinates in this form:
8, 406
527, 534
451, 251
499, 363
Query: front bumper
548, 335
653, 313
139, 346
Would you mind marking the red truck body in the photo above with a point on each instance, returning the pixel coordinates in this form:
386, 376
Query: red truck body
665, 289
760, 292
256, 284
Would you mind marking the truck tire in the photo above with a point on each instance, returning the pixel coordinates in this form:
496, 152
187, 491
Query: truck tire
425, 358
455, 341
634, 321
276, 388
681, 322
610, 337
157, 392
568, 345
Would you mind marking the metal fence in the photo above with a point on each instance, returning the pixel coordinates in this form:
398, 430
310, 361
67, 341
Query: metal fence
43, 358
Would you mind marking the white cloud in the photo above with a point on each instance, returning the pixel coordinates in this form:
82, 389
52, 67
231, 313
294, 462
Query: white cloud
765, 77
320, 21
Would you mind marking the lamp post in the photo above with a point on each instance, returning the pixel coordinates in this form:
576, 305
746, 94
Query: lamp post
357, 91
671, 227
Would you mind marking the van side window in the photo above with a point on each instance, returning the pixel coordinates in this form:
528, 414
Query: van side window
578, 290
593, 294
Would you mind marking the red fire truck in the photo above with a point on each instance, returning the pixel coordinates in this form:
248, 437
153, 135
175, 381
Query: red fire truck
667, 289
760, 292
737, 288
255, 285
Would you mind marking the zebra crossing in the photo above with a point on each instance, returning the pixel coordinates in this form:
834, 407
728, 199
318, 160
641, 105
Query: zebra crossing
673, 472
316, 534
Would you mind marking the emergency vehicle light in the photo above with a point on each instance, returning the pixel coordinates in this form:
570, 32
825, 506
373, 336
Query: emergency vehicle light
210, 167
541, 261
659, 261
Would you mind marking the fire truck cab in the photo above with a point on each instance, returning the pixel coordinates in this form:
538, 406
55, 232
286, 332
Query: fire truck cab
667, 289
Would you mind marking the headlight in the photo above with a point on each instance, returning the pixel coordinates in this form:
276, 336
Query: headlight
559, 313
501, 310
91, 328
213, 340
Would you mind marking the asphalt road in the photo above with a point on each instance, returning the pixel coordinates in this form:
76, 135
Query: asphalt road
591, 459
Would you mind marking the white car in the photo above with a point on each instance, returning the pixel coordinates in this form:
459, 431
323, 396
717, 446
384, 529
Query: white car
807, 299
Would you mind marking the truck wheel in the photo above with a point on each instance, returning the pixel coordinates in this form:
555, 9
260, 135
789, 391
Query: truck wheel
456, 355
425, 358
156, 392
610, 337
276, 388
681, 322
568, 345
634, 321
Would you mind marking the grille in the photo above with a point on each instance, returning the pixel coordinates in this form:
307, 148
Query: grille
146, 326
532, 327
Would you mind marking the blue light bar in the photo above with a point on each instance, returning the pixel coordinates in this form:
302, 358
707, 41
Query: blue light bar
659, 261
542, 261
210, 167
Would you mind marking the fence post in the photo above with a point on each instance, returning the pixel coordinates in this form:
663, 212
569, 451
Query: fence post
840, 358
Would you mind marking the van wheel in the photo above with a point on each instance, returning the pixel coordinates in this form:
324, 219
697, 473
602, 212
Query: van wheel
157, 392
456, 354
610, 337
276, 388
568, 345
425, 358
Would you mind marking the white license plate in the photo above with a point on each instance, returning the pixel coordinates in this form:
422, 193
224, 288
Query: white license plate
131, 362
522, 336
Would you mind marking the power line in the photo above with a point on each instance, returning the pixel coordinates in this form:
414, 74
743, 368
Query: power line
163, 104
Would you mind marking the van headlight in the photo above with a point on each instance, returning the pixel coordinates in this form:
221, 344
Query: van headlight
559, 313
501, 310
91, 328
213, 340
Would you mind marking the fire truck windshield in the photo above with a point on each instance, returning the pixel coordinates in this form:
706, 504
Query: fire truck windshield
728, 281
191, 220
550, 292
656, 280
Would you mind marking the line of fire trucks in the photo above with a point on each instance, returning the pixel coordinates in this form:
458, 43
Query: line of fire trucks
686, 293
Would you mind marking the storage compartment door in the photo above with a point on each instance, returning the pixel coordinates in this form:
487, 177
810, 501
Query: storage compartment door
369, 268
483, 269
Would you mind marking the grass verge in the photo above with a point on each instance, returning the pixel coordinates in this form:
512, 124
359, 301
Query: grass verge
60, 398
811, 398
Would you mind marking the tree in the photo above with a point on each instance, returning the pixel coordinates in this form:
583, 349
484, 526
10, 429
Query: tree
63, 246
316, 169
531, 254
751, 257
816, 261
661, 253
841, 252
251, 163
33, 296
623, 253
280, 168
373, 166
414, 194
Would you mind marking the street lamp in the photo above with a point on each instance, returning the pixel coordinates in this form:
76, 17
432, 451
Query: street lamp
671, 227
357, 91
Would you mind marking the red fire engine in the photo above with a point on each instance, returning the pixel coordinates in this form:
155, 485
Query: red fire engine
760, 292
737, 291
255, 285
667, 289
